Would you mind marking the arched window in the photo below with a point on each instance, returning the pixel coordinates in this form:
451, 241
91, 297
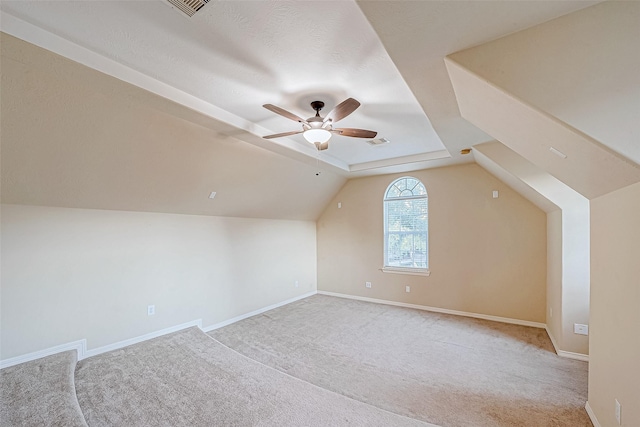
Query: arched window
406, 231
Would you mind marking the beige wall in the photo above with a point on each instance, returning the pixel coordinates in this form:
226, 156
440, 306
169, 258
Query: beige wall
575, 276
567, 240
554, 276
69, 274
487, 255
614, 361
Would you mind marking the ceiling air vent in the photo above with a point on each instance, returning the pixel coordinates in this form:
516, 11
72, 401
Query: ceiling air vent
188, 7
378, 141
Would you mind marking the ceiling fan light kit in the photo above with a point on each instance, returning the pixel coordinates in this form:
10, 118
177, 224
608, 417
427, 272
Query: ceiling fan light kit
317, 135
317, 129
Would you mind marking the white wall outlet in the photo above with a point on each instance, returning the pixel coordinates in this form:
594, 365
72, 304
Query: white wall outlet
367, 284
151, 310
339, 205
495, 194
297, 284
580, 329
407, 288
618, 412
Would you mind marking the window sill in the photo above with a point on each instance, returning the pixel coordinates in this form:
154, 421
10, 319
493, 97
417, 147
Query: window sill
410, 271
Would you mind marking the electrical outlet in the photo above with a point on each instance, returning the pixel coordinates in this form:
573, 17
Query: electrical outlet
151, 310
407, 289
297, 284
618, 412
580, 329
367, 284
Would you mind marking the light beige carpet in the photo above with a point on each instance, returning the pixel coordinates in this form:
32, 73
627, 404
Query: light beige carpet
40, 393
189, 379
448, 370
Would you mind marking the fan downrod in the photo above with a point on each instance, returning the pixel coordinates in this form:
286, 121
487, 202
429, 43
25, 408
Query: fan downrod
317, 106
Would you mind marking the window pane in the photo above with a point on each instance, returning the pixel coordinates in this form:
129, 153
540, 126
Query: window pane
405, 187
419, 190
411, 183
393, 192
406, 224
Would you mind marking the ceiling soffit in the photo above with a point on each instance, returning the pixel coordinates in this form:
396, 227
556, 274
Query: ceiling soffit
571, 156
418, 35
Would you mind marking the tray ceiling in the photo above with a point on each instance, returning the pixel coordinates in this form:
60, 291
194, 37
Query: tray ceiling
232, 57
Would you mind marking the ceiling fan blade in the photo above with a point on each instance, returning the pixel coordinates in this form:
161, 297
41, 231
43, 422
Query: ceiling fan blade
342, 110
278, 135
284, 113
356, 133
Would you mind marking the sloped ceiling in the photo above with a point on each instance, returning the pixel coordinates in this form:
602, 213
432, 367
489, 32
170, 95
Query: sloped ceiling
593, 83
218, 68
74, 137
418, 35
582, 68
483, 155
581, 162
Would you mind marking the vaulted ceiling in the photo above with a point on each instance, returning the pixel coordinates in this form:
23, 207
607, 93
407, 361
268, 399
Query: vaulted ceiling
210, 74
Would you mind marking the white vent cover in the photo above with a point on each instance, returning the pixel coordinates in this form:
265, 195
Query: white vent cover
188, 7
378, 141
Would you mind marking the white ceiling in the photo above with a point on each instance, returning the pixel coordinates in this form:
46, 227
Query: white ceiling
232, 57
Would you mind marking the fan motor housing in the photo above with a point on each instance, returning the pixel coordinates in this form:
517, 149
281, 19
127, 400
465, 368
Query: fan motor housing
317, 106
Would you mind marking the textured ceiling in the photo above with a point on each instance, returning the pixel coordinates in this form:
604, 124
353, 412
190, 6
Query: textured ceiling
241, 55
232, 57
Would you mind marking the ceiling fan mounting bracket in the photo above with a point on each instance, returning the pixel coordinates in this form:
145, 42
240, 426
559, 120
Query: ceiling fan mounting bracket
317, 106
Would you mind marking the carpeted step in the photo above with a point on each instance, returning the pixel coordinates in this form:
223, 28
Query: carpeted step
189, 379
41, 393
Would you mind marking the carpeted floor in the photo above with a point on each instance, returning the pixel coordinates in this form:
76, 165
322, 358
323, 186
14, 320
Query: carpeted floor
322, 361
40, 393
448, 370
188, 379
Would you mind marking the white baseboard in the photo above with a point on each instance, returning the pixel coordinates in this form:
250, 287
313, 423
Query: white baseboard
439, 310
592, 415
566, 354
79, 346
552, 338
572, 355
136, 340
256, 312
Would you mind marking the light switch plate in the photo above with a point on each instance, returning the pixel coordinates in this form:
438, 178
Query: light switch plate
580, 329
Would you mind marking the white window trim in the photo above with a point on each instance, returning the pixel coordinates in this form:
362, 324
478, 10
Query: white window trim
406, 270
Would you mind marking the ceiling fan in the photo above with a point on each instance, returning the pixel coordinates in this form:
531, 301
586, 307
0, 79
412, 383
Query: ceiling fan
317, 129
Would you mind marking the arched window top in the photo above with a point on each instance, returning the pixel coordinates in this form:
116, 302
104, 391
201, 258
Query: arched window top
405, 188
